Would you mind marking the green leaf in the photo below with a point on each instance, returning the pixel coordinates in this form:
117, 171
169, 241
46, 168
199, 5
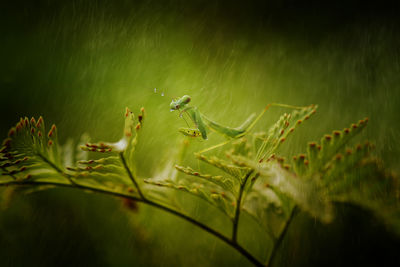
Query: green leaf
344, 163
237, 172
269, 207
31, 154
306, 193
219, 199
320, 154
267, 144
227, 184
110, 168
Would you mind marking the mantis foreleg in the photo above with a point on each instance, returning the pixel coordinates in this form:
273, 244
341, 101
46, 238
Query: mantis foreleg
195, 115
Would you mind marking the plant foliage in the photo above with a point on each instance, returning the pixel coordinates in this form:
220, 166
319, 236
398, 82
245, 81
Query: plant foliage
255, 180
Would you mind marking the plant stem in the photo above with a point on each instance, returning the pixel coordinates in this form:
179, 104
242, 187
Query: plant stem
55, 167
238, 206
204, 227
281, 236
131, 175
217, 234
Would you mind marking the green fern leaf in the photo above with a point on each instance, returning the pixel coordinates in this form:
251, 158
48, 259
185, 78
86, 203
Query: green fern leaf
269, 207
319, 155
235, 171
306, 193
223, 182
267, 143
116, 168
343, 163
31, 154
219, 199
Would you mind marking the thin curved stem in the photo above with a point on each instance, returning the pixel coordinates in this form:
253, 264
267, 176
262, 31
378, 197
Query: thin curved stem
187, 218
281, 236
141, 198
238, 206
217, 234
55, 167
131, 176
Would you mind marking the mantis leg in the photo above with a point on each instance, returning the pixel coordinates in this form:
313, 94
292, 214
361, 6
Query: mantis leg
185, 120
183, 112
214, 147
234, 133
196, 117
246, 126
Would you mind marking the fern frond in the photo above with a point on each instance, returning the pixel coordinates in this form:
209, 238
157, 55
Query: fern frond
220, 199
350, 174
30, 154
306, 193
343, 163
320, 154
268, 207
118, 165
222, 182
99, 168
267, 143
235, 171
241, 147
111, 160
259, 182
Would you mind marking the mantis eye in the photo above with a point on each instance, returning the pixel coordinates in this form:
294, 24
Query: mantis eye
176, 106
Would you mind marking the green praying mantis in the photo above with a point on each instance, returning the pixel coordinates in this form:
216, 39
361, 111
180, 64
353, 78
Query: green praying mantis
202, 123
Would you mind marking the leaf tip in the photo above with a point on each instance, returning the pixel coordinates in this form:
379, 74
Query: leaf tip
39, 122
11, 132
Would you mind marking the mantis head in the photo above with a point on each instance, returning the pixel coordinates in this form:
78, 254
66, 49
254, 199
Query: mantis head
179, 103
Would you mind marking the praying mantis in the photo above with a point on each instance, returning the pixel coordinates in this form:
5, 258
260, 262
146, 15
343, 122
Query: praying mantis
202, 123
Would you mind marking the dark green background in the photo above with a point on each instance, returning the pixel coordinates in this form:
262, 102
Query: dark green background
79, 63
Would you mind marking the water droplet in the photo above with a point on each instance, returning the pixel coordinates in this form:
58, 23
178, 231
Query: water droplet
155, 90
162, 94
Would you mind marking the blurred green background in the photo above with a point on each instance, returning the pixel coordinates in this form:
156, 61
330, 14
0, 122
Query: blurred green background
80, 63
